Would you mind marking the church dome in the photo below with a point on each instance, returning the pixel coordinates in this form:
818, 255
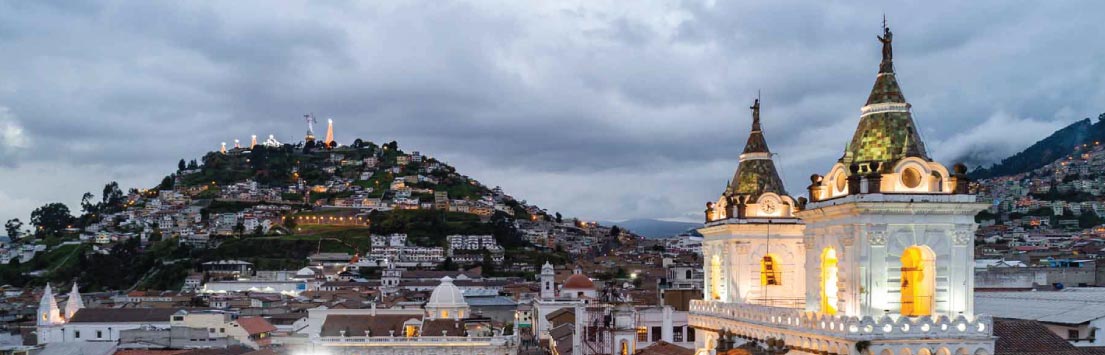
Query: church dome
446, 295
579, 281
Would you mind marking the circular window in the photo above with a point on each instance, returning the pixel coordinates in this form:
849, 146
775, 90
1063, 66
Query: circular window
911, 178
841, 182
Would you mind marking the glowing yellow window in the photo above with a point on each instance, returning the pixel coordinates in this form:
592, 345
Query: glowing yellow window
444, 314
715, 277
829, 289
918, 281
410, 331
770, 272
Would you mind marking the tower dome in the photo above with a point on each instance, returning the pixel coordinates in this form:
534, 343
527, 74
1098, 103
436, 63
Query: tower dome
447, 301
579, 282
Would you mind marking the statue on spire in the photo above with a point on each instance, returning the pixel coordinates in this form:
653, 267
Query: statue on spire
887, 48
755, 114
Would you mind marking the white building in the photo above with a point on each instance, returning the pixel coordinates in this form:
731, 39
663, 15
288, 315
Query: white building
884, 264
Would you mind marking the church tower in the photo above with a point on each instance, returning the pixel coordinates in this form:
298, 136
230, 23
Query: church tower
548, 275
887, 245
49, 320
74, 304
751, 239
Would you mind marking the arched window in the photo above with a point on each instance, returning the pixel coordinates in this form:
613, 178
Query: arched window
771, 274
715, 277
829, 290
918, 281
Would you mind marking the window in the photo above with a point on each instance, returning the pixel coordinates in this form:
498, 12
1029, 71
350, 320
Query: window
642, 334
829, 297
222, 330
99, 334
770, 273
444, 314
677, 333
410, 331
178, 318
656, 333
911, 178
715, 277
1072, 334
690, 334
77, 334
918, 281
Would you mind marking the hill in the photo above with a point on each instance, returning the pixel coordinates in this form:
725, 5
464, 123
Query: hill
654, 228
1056, 146
272, 205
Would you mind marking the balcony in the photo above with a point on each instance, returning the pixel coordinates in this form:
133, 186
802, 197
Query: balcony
781, 322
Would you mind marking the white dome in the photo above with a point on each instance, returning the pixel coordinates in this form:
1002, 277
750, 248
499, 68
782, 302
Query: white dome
446, 295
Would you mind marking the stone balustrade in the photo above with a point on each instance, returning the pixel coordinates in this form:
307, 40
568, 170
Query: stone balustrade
413, 341
716, 315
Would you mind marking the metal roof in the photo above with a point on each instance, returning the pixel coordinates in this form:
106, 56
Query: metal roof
1069, 306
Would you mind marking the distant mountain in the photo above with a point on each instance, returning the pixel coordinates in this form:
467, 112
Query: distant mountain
654, 228
1056, 146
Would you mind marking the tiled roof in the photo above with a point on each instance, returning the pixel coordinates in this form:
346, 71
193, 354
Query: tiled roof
255, 325
123, 315
664, 348
1022, 337
756, 176
885, 136
355, 325
451, 327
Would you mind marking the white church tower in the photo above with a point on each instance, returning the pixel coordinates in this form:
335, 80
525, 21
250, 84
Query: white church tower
752, 250
888, 252
49, 320
548, 276
74, 303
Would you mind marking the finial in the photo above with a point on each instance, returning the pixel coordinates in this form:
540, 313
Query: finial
887, 37
756, 113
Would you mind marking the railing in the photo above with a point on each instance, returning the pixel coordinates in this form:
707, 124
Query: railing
716, 314
421, 340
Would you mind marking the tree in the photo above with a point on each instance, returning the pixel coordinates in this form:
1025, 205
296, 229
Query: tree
192, 164
448, 265
240, 229
86, 203
615, 231
258, 231
166, 183
52, 217
180, 166
13, 228
357, 143
113, 197
559, 218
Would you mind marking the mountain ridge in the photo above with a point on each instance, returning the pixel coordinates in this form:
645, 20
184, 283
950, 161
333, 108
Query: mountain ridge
1057, 145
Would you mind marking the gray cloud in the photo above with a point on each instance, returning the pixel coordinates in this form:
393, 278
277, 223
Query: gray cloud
602, 110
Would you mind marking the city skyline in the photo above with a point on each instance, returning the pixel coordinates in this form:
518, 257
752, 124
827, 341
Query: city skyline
587, 110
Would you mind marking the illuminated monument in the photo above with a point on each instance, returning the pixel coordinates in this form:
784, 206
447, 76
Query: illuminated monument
886, 240
310, 137
329, 132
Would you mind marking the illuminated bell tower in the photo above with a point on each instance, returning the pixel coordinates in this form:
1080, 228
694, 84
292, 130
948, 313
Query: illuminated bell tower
48, 319
752, 248
890, 232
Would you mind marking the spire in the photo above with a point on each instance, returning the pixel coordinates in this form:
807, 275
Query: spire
756, 172
74, 304
886, 131
48, 313
252, 141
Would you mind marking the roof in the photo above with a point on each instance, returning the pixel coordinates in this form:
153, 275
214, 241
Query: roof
446, 295
1068, 306
756, 173
579, 281
481, 301
1016, 336
563, 337
123, 315
664, 348
451, 327
357, 324
886, 131
255, 325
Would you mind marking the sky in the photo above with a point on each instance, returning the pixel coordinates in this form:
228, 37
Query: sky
604, 110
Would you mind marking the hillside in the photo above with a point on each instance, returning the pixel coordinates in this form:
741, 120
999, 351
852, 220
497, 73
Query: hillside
273, 205
1058, 145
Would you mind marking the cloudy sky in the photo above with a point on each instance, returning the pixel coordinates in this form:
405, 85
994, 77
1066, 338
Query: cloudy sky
599, 109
